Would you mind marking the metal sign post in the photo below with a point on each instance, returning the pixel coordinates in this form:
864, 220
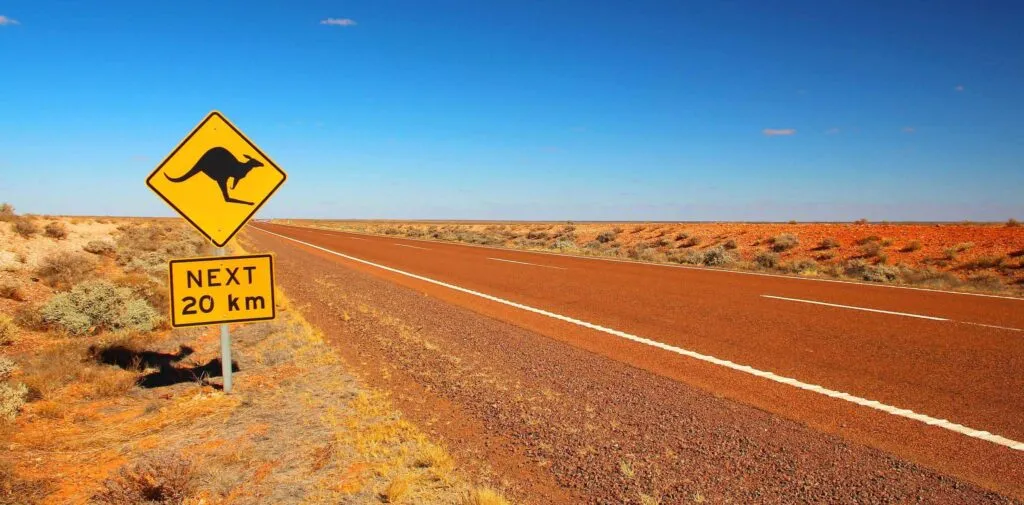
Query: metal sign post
225, 347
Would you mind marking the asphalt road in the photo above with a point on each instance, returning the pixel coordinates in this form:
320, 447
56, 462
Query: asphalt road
933, 377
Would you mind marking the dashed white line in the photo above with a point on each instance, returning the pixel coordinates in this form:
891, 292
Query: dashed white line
411, 246
525, 263
991, 326
905, 413
865, 309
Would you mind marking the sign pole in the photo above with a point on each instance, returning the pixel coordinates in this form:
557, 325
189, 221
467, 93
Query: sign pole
225, 347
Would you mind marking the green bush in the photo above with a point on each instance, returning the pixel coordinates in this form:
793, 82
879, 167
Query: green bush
8, 330
64, 269
12, 397
99, 305
784, 242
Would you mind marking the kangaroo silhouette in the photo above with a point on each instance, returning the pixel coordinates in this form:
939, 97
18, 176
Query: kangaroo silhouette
220, 165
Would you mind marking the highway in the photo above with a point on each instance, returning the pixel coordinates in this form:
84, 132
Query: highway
936, 378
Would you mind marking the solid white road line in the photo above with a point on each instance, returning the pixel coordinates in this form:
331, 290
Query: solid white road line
411, 246
525, 263
919, 316
908, 414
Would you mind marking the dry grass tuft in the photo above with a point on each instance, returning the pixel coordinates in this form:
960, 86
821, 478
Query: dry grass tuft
25, 227
56, 230
7, 212
484, 496
398, 488
8, 330
11, 290
12, 396
100, 247
784, 242
63, 269
913, 245
157, 480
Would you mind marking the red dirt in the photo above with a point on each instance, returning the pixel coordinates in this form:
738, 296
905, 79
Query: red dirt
581, 415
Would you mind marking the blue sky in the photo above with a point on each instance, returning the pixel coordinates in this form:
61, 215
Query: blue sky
813, 110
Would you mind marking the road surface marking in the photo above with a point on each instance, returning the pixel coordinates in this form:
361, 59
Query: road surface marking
991, 326
689, 267
919, 316
525, 263
412, 247
905, 413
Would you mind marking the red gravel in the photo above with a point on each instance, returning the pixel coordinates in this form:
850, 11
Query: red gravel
563, 424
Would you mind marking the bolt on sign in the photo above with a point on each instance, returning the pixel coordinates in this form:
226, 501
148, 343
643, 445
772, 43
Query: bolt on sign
216, 179
222, 289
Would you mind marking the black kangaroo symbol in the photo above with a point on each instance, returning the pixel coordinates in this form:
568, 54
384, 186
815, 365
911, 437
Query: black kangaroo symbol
220, 165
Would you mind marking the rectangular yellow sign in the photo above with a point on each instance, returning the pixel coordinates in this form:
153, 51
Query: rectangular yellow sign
222, 289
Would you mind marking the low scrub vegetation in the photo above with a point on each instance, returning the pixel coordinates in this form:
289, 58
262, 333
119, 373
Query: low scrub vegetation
99, 305
25, 227
12, 290
56, 230
164, 479
100, 247
6, 212
784, 242
8, 330
63, 269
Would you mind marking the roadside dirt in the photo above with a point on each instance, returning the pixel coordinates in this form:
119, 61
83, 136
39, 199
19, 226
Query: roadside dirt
575, 426
972, 257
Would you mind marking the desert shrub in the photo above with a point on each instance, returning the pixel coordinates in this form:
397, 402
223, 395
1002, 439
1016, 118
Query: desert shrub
101, 247
682, 236
951, 252
784, 242
606, 236
56, 230
154, 242
25, 227
730, 244
985, 282
11, 290
12, 396
687, 257
565, 245
870, 249
156, 480
154, 292
803, 266
930, 277
1010, 223
690, 242
6, 212
765, 259
537, 235
862, 220
99, 305
7, 368
860, 269
63, 269
986, 262
8, 330
827, 243
716, 257
28, 317
868, 239
913, 245
414, 232
641, 252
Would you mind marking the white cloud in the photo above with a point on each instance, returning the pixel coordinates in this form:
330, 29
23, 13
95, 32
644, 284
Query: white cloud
5, 21
772, 132
338, 22
959, 87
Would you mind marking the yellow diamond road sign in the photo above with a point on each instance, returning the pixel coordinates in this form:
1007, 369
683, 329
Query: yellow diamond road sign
216, 179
